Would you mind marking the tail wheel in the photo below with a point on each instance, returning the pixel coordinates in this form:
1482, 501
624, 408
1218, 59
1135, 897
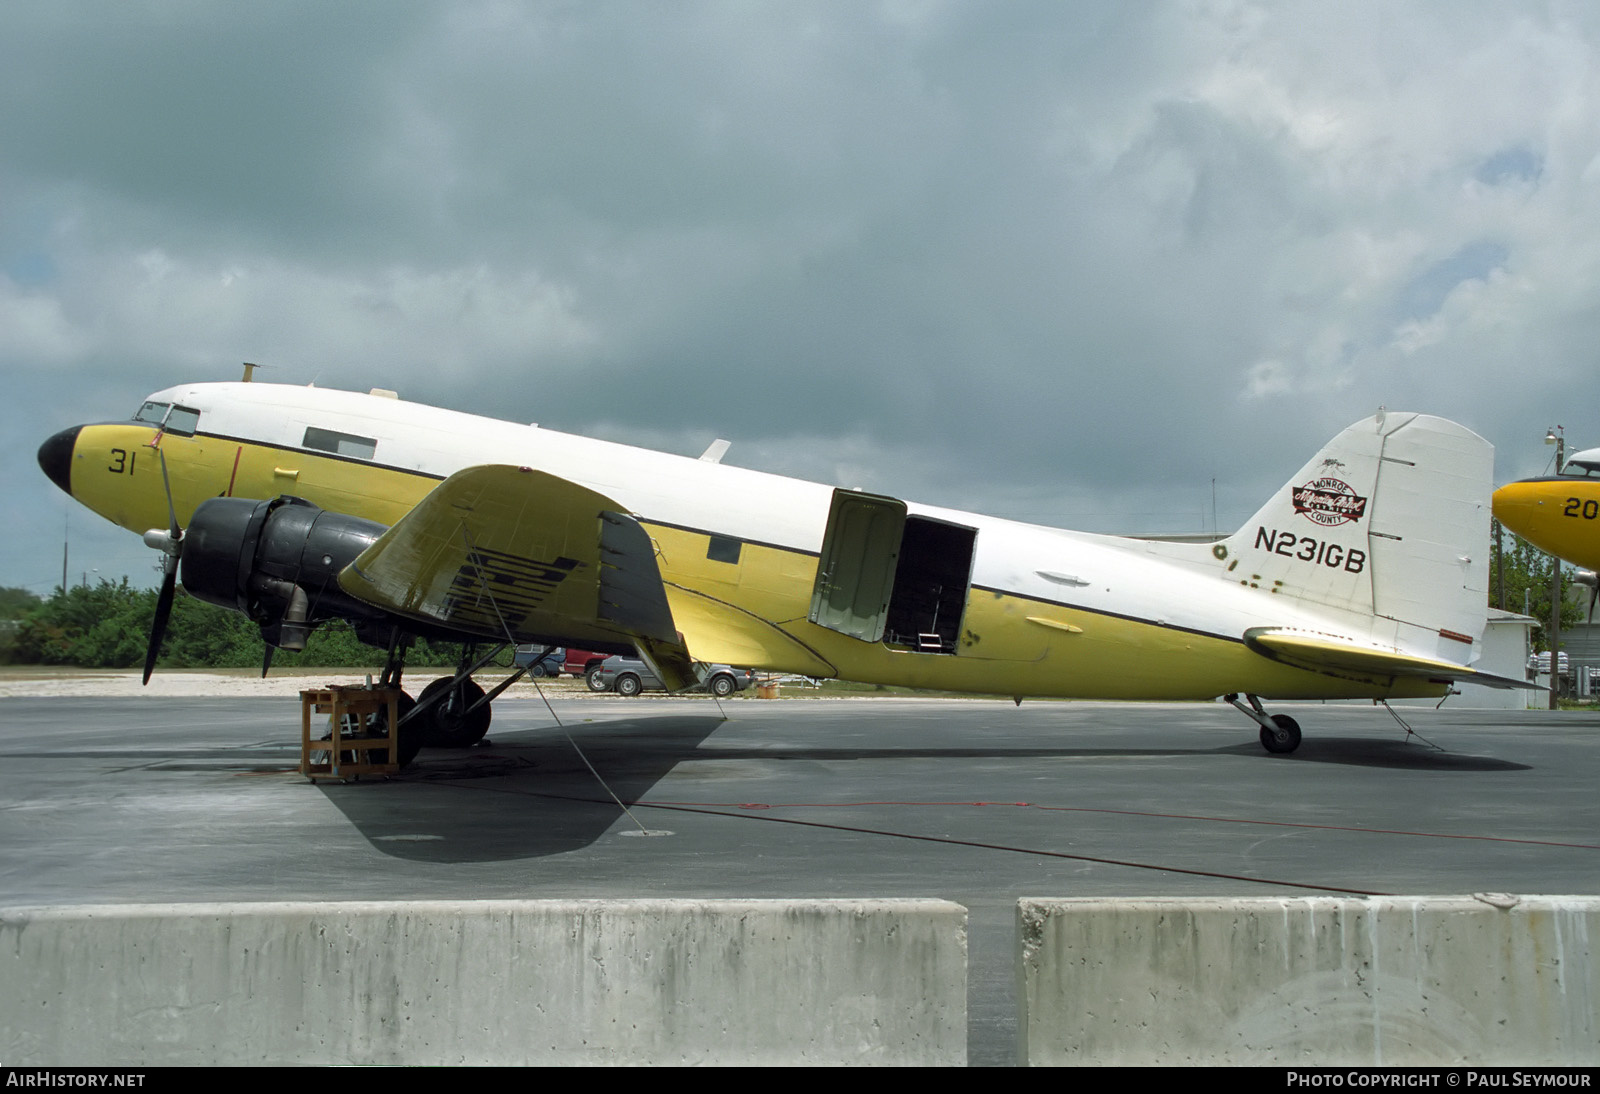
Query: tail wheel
1283, 737
448, 723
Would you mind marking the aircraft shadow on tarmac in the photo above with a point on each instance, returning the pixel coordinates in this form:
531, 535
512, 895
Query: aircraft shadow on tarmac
528, 794
1366, 752
1354, 751
524, 795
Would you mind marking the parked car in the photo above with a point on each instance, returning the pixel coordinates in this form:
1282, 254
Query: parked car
629, 676
579, 662
548, 665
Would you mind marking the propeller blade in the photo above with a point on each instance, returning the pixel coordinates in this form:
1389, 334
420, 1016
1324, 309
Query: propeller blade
158, 626
171, 546
266, 660
1593, 595
172, 512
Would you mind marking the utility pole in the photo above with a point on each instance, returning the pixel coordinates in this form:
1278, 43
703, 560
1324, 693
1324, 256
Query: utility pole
1558, 438
1499, 562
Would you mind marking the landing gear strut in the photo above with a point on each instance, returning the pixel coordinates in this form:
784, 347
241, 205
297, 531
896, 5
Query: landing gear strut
1279, 732
452, 711
410, 740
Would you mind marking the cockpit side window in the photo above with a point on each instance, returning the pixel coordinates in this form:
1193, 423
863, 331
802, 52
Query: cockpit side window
154, 413
181, 420
340, 444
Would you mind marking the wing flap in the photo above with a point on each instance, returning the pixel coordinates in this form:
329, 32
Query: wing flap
720, 632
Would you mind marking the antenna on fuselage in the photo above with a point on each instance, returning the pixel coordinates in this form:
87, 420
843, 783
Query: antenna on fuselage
249, 371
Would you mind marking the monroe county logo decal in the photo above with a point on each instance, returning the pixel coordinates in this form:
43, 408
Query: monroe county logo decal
1329, 502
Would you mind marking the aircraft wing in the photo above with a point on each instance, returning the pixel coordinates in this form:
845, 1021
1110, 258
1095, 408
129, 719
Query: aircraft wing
512, 554
1338, 656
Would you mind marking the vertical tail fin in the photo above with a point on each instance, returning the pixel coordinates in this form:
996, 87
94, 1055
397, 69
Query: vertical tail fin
1389, 520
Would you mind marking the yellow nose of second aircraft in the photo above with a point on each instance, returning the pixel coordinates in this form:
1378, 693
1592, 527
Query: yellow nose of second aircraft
1559, 515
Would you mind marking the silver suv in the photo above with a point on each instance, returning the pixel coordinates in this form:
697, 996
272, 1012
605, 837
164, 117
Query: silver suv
629, 676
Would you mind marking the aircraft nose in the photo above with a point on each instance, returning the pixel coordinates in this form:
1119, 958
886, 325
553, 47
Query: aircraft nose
1517, 500
55, 457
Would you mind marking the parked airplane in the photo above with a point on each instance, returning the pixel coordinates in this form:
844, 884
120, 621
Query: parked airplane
1560, 513
1364, 576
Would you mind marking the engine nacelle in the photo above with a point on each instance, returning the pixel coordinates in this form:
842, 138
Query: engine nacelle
276, 561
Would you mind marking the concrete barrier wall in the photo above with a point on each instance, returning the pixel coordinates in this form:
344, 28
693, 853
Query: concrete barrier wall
486, 982
1395, 980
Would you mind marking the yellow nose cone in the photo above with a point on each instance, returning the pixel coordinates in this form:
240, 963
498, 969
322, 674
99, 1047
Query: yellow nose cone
1558, 515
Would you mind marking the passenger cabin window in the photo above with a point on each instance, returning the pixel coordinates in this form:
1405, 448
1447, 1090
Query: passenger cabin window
182, 420
723, 549
340, 444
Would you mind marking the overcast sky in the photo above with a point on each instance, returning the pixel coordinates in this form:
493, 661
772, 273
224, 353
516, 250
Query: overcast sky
1063, 262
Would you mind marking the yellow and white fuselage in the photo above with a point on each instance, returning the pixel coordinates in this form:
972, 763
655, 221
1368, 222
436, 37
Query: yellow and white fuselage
1364, 576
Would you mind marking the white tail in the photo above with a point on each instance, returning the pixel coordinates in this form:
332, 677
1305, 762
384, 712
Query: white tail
1387, 528
1390, 520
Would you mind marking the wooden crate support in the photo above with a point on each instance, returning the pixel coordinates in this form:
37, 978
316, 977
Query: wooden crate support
352, 711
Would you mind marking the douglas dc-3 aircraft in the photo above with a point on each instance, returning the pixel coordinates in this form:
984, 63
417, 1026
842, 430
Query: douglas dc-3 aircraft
1559, 513
1364, 576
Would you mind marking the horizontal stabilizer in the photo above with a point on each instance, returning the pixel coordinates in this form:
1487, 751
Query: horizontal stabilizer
1338, 656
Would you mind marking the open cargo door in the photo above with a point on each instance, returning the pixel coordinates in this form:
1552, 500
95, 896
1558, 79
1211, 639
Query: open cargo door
855, 577
888, 577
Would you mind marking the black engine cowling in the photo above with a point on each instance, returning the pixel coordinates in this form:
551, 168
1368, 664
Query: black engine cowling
278, 562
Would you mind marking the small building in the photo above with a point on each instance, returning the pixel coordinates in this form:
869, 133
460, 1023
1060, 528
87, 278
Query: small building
1507, 642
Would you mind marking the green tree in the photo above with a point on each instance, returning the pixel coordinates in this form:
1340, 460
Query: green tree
94, 625
1527, 578
107, 625
16, 602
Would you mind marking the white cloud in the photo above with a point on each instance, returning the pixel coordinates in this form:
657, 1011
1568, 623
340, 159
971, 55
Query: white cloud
35, 331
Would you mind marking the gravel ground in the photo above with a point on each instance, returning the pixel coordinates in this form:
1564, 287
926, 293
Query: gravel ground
34, 682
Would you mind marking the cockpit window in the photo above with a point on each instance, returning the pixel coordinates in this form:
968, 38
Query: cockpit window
181, 420
341, 444
154, 413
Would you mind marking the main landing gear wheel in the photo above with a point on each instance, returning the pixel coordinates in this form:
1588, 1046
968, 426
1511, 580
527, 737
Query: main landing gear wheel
447, 724
1283, 737
410, 738
377, 725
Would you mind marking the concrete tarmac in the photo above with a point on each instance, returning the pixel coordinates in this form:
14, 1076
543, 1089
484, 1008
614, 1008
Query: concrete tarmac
115, 800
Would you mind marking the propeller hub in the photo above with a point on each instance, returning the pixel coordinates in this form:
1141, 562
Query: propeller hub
161, 539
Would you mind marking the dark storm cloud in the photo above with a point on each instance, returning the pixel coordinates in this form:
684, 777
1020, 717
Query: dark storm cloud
1066, 262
